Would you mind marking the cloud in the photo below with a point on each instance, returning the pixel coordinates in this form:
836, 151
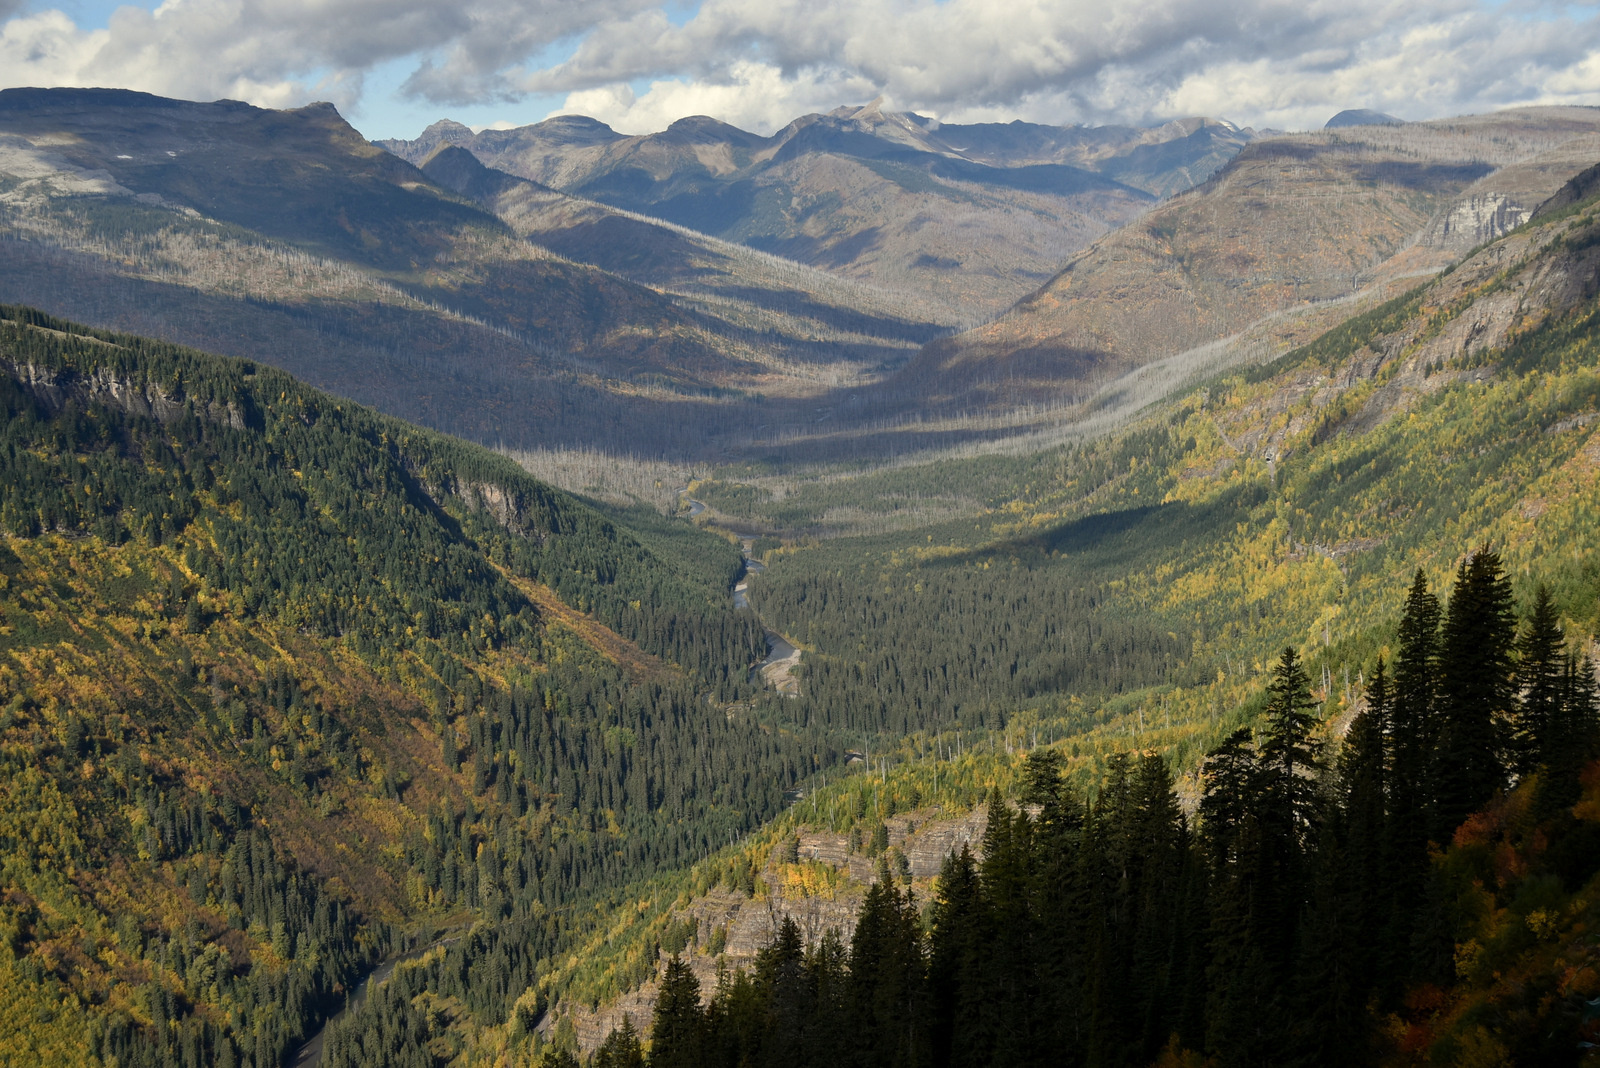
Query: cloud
752, 96
759, 63
1262, 61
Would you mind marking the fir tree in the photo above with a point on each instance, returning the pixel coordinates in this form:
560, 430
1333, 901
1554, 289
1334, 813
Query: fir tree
1476, 691
621, 1048
955, 954
1288, 758
677, 1033
1540, 670
1413, 734
887, 980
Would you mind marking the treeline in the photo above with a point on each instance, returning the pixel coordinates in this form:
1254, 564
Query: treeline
1320, 910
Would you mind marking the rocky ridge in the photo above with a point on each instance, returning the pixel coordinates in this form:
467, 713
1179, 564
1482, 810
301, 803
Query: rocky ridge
924, 837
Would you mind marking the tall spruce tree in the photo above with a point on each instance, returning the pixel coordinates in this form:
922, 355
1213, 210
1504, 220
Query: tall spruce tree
781, 983
1243, 995
1345, 917
1541, 669
1288, 757
1413, 727
888, 980
677, 1032
1364, 777
1413, 735
956, 949
1011, 988
1476, 691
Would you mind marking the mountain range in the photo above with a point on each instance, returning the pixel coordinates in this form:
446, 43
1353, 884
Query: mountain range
844, 286
970, 216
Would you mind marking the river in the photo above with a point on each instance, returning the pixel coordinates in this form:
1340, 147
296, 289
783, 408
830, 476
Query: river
777, 670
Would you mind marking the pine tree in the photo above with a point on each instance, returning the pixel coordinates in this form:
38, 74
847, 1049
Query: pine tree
825, 1039
1413, 726
780, 983
1288, 758
1010, 983
677, 1032
1230, 779
1572, 737
1364, 781
1340, 955
1413, 736
955, 955
1158, 944
888, 980
621, 1048
1476, 691
1540, 669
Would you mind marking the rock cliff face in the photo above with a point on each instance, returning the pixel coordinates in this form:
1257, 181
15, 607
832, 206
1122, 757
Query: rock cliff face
1291, 223
105, 387
924, 837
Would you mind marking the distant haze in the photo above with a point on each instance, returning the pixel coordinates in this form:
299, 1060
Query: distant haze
637, 65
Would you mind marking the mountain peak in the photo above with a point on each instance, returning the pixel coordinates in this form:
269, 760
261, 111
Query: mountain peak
1362, 117
447, 130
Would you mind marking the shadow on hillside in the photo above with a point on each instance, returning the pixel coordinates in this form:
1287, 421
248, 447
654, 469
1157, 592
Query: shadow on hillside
1121, 541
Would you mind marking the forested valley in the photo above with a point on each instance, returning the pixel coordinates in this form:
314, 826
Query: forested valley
1256, 726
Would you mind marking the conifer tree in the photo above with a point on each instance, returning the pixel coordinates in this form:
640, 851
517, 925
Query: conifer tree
1288, 758
1572, 737
781, 984
621, 1048
1229, 775
1341, 950
1540, 674
1243, 994
1364, 780
825, 1040
1010, 983
1413, 735
887, 980
677, 1032
1415, 693
955, 954
1476, 690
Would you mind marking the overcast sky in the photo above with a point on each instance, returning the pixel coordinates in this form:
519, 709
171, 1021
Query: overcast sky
393, 66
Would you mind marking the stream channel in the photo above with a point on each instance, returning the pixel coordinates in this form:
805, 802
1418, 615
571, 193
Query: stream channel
782, 656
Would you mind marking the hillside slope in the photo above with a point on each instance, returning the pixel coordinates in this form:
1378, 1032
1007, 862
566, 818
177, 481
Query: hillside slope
289, 684
285, 237
1285, 505
803, 316
1290, 223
